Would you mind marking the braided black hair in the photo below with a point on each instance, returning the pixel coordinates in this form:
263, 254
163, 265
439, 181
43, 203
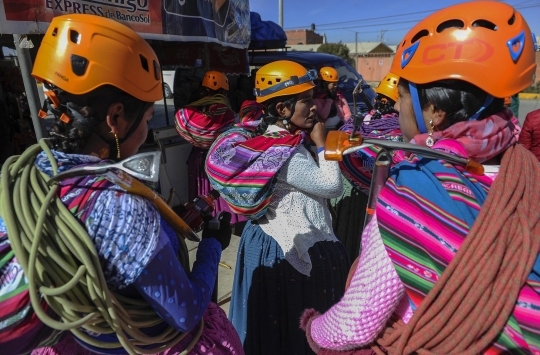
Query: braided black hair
383, 106
85, 113
272, 115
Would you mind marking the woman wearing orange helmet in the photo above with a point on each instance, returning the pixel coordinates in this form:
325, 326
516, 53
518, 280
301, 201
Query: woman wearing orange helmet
200, 123
449, 262
103, 79
288, 256
329, 100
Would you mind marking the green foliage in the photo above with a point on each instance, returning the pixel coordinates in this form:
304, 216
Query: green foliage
338, 49
533, 89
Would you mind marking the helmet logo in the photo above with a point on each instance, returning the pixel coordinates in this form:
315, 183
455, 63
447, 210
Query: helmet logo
515, 45
408, 54
471, 49
63, 77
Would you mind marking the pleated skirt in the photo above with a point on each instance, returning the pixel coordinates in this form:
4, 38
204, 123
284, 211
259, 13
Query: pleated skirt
198, 183
349, 212
269, 295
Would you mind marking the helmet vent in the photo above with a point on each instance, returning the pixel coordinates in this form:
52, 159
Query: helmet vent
78, 64
54, 32
157, 70
419, 35
144, 62
74, 36
278, 80
450, 24
486, 24
269, 83
512, 19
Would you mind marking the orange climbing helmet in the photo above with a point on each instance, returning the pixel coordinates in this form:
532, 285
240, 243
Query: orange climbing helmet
388, 87
80, 53
215, 80
282, 78
485, 43
329, 74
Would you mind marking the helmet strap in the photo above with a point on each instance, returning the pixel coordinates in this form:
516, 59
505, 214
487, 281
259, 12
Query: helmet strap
417, 108
487, 102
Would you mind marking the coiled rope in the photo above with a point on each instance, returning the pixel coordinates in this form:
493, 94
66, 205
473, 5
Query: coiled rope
212, 100
62, 265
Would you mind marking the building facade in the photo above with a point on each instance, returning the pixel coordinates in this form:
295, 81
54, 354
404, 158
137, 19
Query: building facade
295, 37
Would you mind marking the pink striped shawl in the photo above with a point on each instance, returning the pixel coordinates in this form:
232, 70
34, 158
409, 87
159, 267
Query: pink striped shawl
425, 211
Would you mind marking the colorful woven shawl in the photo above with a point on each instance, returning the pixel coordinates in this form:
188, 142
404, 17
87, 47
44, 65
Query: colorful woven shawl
425, 212
250, 114
242, 168
357, 167
202, 121
21, 330
482, 139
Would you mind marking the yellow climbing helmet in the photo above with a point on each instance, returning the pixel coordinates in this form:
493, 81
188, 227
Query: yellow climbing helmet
282, 78
388, 87
329, 74
215, 80
80, 53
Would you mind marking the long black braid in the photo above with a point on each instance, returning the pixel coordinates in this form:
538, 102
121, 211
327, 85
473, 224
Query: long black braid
383, 106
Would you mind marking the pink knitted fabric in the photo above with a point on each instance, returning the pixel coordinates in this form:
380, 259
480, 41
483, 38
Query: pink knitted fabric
373, 295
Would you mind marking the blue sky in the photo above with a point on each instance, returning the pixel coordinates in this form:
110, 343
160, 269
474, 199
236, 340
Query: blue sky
394, 17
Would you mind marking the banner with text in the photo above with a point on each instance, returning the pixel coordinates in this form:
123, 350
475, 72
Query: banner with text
221, 21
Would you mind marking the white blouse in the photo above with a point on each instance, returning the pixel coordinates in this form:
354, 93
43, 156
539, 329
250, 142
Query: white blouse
298, 216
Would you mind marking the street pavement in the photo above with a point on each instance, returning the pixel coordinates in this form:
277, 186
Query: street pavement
526, 106
225, 270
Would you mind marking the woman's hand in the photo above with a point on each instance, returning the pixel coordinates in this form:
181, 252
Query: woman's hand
223, 235
318, 134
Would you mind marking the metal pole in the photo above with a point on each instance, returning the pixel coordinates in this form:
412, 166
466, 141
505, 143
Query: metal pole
281, 13
30, 87
206, 57
165, 100
356, 51
160, 54
378, 179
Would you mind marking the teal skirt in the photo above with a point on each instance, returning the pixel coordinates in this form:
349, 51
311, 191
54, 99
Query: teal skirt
269, 295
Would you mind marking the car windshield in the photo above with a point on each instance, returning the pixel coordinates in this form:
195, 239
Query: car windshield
348, 77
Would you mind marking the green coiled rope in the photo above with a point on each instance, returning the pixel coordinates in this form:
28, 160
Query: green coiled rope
211, 100
62, 265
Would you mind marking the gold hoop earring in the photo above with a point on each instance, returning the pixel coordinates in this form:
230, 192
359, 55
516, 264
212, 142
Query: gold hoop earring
429, 140
117, 146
